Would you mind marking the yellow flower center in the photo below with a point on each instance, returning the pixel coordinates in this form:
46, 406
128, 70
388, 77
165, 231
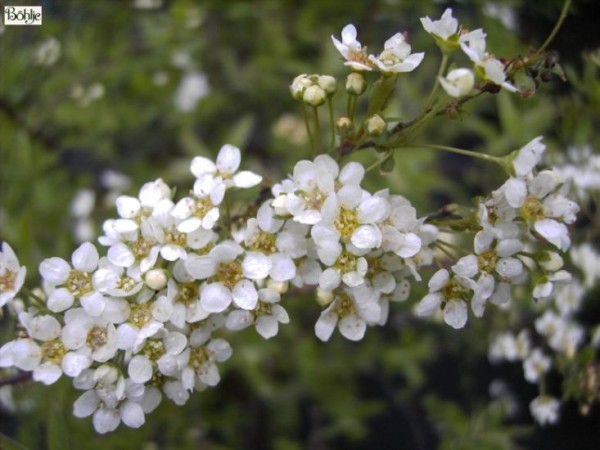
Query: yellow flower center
487, 261
532, 209
53, 351
97, 337
79, 283
346, 222
140, 314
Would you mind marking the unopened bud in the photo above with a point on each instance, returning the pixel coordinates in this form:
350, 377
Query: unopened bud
156, 279
328, 84
344, 126
278, 286
356, 83
375, 125
299, 85
314, 95
458, 82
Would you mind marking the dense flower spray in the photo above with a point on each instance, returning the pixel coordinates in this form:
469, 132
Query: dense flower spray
148, 316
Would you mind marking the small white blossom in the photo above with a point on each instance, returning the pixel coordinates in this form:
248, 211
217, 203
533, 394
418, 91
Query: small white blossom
545, 409
12, 275
351, 49
396, 56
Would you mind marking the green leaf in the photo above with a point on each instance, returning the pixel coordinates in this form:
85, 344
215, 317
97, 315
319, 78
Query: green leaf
57, 437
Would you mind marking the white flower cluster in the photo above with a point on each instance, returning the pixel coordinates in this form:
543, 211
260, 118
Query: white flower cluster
396, 56
360, 248
527, 207
449, 37
559, 336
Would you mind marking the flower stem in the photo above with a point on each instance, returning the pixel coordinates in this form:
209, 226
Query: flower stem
317, 148
461, 151
331, 123
380, 161
552, 35
436, 84
307, 126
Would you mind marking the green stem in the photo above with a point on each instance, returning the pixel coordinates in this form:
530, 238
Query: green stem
331, 123
317, 148
436, 84
552, 35
34, 299
461, 151
380, 161
307, 126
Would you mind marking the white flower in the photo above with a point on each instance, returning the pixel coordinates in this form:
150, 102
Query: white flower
458, 82
536, 365
587, 259
12, 275
446, 292
67, 283
266, 317
202, 367
202, 210
227, 164
545, 409
444, 28
396, 56
192, 88
350, 310
228, 278
351, 49
473, 44
93, 336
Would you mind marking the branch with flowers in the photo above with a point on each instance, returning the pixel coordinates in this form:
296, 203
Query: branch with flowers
149, 316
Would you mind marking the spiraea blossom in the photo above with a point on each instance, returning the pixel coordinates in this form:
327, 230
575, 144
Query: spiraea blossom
12, 275
151, 315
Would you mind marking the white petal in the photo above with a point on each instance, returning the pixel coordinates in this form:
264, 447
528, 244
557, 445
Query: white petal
228, 159
466, 266
73, 364
244, 295
106, 420
246, 179
256, 266
60, 300
132, 414
201, 165
455, 313
366, 237
47, 373
120, 255
215, 297
373, 210
209, 374
282, 267
200, 267
515, 191
140, 369
267, 326
93, 303
330, 279
352, 327
325, 325
428, 305
85, 257
86, 404
439, 280
554, 232
55, 270
239, 319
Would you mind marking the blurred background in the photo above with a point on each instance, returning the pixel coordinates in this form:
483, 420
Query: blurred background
107, 95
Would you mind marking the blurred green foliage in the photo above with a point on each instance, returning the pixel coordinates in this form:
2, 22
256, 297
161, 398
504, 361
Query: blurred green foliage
107, 102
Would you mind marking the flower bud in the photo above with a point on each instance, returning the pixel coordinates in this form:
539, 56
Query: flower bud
356, 83
458, 82
375, 125
314, 95
156, 279
106, 374
279, 286
328, 84
344, 126
299, 85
